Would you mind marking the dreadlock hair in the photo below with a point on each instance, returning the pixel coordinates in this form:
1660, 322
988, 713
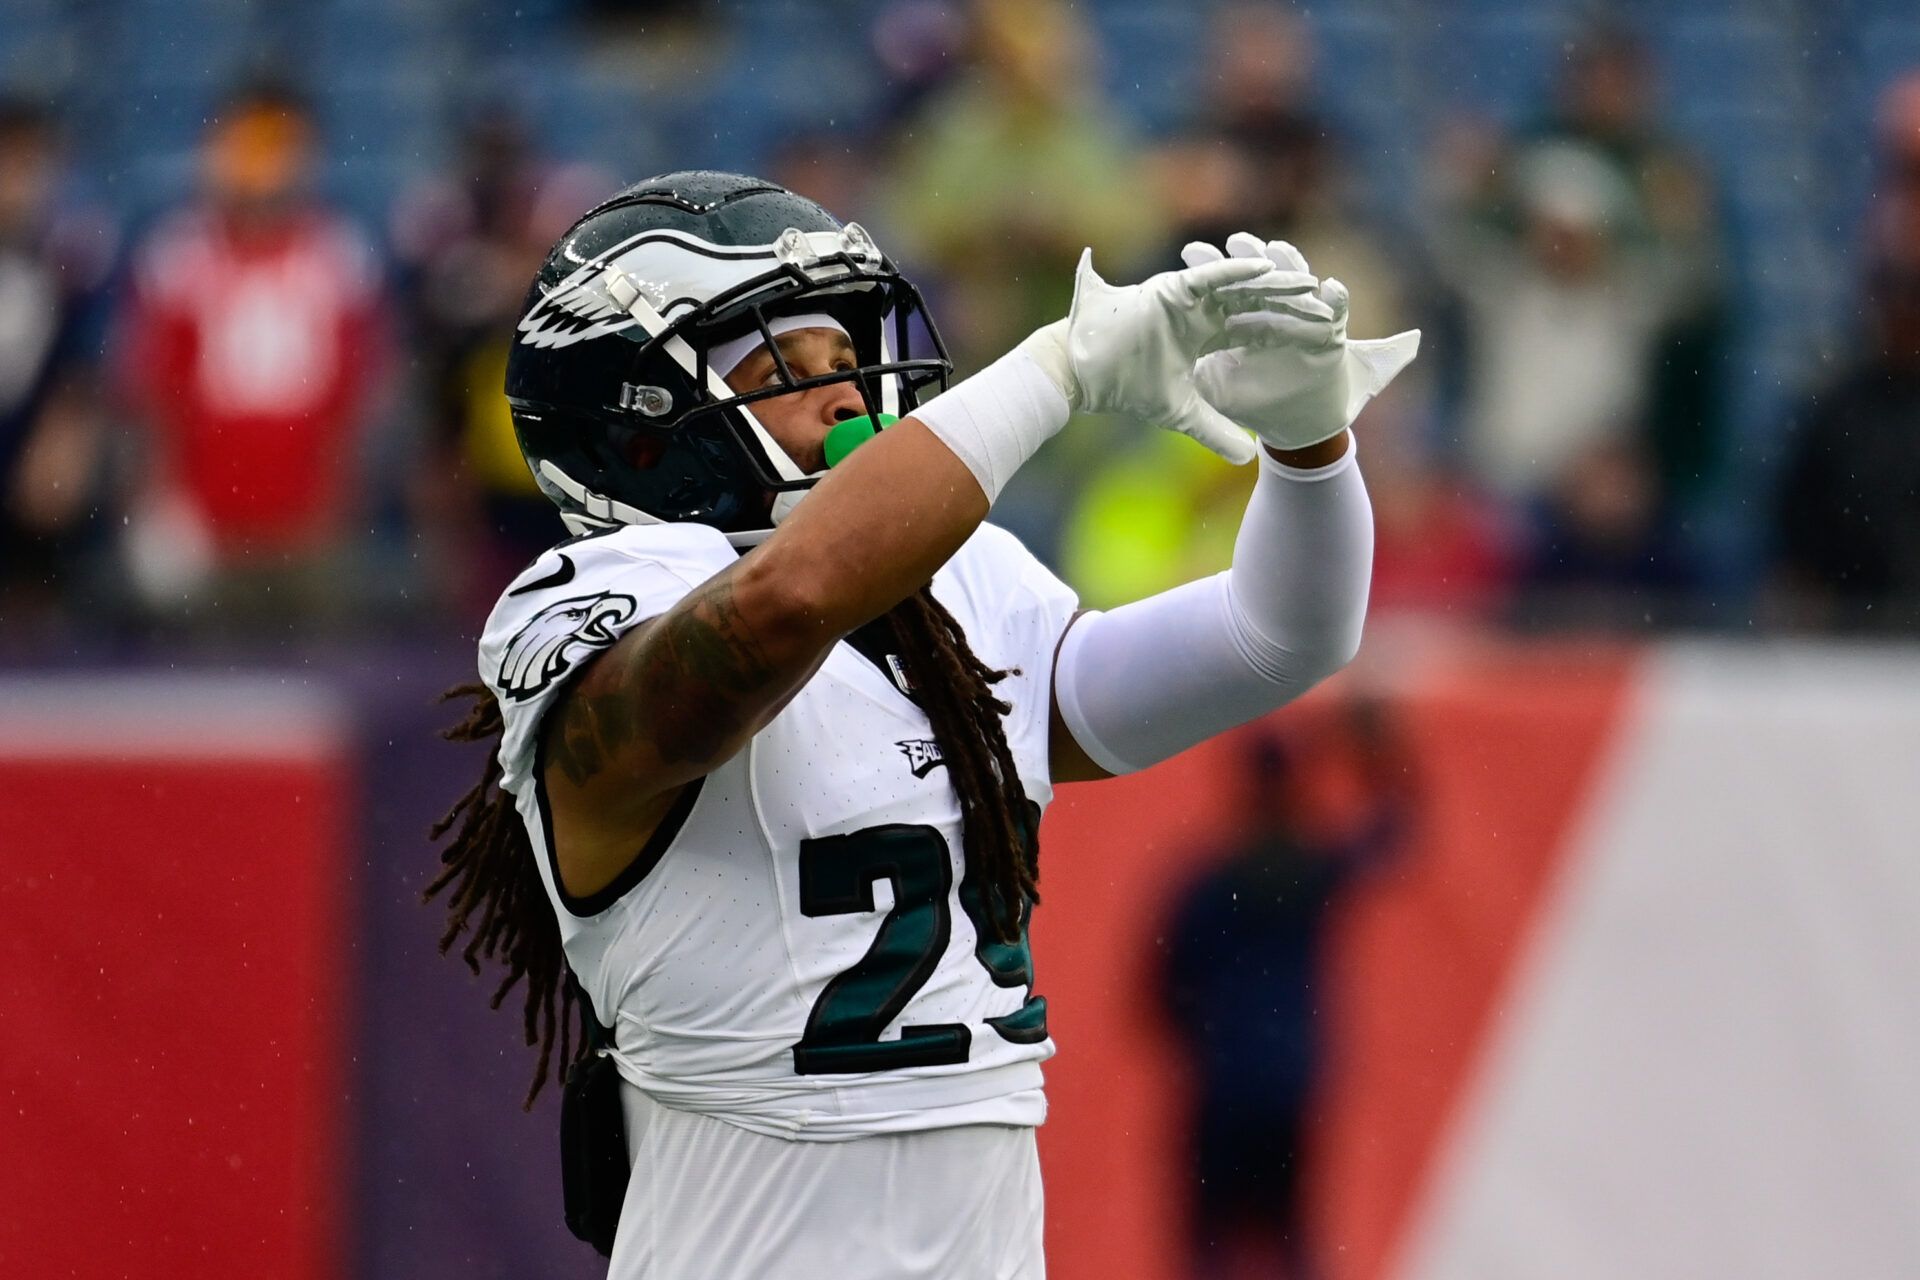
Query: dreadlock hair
487, 867
953, 688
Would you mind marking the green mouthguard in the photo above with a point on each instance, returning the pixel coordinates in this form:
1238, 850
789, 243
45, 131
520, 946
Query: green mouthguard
851, 434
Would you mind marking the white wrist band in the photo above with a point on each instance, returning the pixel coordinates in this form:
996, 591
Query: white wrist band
995, 420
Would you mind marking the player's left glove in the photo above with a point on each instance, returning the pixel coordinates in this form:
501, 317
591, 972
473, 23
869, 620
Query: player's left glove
1297, 379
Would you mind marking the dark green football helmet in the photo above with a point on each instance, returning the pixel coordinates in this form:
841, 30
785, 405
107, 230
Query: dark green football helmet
619, 415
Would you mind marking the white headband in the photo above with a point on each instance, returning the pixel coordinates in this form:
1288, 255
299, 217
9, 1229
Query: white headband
726, 357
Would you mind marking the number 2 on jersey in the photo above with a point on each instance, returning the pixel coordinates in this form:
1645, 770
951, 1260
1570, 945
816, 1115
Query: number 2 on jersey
837, 875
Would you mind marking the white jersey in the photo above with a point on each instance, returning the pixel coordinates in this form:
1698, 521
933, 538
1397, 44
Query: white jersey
796, 950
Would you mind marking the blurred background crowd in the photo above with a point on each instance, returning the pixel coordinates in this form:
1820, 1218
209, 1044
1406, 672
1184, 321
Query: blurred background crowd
259, 263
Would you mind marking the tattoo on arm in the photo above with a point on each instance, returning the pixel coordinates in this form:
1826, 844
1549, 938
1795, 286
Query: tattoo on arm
707, 677
593, 727
689, 686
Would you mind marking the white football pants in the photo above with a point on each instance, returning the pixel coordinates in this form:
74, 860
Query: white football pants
711, 1201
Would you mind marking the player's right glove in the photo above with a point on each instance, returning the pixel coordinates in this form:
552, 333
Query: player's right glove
1131, 348
1123, 349
1305, 381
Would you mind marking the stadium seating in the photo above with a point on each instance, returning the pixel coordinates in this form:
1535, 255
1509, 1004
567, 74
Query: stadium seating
1774, 94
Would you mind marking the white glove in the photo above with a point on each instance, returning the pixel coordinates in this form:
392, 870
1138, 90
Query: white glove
1131, 348
1296, 379
1127, 350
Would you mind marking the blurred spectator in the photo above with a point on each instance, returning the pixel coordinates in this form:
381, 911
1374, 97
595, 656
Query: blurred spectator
1586, 261
1439, 549
1245, 980
1606, 102
653, 42
467, 242
252, 351
1008, 173
1562, 317
54, 262
1849, 509
1259, 157
1149, 517
1163, 512
1562, 327
920, 44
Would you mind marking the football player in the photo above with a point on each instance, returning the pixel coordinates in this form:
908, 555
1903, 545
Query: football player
776, 726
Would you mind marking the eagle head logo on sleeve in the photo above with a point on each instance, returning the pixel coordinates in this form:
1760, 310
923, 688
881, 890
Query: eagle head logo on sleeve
557, 637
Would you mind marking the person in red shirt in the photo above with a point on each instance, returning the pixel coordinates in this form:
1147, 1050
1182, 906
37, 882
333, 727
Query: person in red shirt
249, 351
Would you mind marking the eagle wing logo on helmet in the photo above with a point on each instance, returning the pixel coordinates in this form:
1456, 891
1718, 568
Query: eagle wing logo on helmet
559, 636
670, 271
579, 308
576, 311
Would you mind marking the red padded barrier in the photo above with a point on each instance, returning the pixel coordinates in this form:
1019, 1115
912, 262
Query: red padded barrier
171, 978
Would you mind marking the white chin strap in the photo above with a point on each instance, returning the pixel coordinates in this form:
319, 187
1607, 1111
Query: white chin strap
597, 510
600, 512
784, 503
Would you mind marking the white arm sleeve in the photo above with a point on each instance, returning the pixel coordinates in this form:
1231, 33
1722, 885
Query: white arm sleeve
1150, 679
